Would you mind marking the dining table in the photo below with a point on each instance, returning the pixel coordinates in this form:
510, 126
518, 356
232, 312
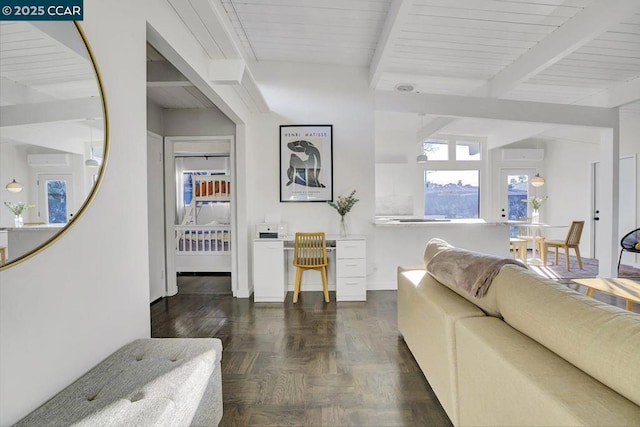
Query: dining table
536, 230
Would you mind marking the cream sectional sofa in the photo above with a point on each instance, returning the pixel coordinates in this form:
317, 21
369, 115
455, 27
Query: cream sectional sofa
529, 352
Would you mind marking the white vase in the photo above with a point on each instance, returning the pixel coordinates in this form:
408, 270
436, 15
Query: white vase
343, 227
18, 221
535, 216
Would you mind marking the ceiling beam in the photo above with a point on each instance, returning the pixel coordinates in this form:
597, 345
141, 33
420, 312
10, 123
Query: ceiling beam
66, 35
497, 109
396, 17
585, 26
52, 111
162, 73
617, 96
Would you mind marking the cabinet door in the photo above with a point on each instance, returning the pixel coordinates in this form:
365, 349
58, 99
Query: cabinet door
268, 271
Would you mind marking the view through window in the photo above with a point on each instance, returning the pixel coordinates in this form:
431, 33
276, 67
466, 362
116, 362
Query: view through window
452, 179
57, 202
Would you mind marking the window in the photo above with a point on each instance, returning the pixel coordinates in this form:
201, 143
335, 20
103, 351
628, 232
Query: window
436, 149
452, 178
57, 202
451, 194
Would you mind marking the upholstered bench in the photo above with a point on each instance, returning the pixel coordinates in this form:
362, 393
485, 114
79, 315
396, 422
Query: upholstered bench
149, 382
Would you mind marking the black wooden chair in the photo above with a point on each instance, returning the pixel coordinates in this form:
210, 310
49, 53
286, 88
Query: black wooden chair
629, 243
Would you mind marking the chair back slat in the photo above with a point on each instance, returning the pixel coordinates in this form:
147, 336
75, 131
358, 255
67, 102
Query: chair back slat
310, 250
574, 234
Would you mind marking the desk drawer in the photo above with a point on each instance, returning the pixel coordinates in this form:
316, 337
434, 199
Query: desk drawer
351, 248
351, 267
351, 289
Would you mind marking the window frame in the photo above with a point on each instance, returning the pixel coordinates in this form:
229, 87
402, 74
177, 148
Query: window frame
479, 165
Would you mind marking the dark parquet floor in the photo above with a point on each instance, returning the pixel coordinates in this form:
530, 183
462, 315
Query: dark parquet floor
308, 364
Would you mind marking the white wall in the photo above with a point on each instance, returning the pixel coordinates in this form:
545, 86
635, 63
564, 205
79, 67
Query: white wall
312, 94
197, 122
630, 144
64, 310
13, 165
568, 185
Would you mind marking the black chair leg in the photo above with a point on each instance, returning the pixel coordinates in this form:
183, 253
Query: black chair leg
620, 259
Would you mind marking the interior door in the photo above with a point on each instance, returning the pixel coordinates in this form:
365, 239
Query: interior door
627, 205
55, 198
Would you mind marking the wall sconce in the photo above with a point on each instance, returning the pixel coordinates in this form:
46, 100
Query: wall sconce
537, 181
14, 187
422, 158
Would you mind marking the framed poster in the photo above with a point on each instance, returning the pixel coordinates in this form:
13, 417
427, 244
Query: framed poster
306, 163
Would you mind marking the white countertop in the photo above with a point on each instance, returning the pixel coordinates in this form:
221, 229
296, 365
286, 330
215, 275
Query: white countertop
35, 227
412, 222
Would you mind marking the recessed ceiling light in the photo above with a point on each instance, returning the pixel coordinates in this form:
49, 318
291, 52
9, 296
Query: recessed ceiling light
404, 87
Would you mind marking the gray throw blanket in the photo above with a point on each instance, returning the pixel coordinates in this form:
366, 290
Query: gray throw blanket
470, 271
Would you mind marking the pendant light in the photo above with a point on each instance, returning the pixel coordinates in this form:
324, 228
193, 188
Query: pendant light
537, 181
422, 157
14, 187
91, 162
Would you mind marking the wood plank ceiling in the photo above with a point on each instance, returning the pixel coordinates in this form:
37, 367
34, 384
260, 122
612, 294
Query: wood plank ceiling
452, 46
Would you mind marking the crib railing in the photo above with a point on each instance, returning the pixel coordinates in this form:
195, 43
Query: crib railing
202, 239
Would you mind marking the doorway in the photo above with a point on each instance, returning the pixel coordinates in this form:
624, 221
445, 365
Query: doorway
627, 206
514, 189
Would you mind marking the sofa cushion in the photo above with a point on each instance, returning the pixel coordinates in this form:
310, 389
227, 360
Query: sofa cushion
600, 339
506, 378
487, 302
156, 382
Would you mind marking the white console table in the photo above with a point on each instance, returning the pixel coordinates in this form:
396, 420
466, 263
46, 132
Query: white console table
271, 263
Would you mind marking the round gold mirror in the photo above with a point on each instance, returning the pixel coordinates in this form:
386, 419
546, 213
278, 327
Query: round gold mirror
53, 134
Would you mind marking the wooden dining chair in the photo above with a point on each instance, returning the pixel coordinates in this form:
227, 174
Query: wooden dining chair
571, 241
310, 253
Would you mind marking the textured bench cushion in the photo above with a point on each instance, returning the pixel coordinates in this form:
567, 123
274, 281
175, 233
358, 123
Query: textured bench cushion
157, 382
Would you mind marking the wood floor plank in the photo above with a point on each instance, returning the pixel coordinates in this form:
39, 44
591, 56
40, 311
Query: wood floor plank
308, 364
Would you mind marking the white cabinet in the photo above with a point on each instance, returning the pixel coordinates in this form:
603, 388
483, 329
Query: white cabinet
351, 270
269, 268
271, 263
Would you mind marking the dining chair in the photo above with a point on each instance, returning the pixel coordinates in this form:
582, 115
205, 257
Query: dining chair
310, 253
519, 246
571, 241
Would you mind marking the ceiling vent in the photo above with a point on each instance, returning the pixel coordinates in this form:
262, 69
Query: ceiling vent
404, 87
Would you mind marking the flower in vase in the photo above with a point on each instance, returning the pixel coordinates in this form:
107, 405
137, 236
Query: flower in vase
344, 204
535, 202
17, 208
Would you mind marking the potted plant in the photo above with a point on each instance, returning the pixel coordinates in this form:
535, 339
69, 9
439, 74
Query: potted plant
535, 203
343, 205
17, 208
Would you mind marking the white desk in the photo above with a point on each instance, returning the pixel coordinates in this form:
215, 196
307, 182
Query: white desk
272, 259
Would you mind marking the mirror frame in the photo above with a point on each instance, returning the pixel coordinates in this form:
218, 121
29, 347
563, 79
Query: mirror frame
92, 194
